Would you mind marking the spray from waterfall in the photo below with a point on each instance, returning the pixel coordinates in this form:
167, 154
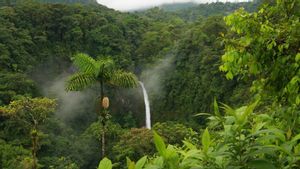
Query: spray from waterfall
147, 106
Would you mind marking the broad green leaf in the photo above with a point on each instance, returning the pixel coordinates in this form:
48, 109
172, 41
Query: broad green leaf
140, 164
189, 145
206, 140
278, 134
297, 100
172, 157
275, 147
229, 75
105, 163
130, 164
202, 114
194, 154
159, 144
297, 58
159, 161
261, 164
151, 166
296, 138
228, 109
258, 126
216, 108
289, 134
247, 112
230, 58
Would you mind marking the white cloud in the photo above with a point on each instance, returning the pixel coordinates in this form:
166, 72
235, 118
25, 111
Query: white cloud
127, 5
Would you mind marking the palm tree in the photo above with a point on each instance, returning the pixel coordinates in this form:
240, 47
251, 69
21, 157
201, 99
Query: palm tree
101, 72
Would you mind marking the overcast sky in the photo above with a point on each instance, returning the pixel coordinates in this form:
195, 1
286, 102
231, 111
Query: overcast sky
126, 5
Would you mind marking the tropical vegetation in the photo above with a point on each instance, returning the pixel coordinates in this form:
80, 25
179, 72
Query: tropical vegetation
223, 82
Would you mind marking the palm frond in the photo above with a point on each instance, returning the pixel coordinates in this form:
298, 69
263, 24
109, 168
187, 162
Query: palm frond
80, 81
123, 79
104, 66
85, 63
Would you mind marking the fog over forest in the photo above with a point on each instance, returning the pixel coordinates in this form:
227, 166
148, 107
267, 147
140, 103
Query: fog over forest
127, 5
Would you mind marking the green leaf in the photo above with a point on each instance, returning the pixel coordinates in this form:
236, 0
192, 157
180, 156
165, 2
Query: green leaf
79, 81
130, 164
104, 66
249, 110
297, 100
189, 145
159, 144
228, 110
171, 157
158, 161
140, 164
84, 63
296, 138
206, 140
229, 75
216, 108
230, 58
105, 163
202, 114
124, 79
297, 58
261, 164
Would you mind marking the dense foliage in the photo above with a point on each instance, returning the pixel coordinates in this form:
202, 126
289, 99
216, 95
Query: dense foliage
261, 134
193, 62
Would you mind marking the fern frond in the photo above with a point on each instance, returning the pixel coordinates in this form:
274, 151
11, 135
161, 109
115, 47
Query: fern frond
228, 110
85, 63
123, 79
80, 81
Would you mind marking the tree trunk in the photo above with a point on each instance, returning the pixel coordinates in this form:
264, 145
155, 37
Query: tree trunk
103, 121
103, 142
34, 138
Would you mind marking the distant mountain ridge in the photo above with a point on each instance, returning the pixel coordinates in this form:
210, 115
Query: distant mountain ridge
13, 2
222, 6
191, 12
178, 6
68, 1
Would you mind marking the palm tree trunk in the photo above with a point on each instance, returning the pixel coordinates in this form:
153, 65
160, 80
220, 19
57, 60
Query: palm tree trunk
103, 121
34, 138
103, 142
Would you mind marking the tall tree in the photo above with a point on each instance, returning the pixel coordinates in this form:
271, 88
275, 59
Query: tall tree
32, 112
265, 46
101, 72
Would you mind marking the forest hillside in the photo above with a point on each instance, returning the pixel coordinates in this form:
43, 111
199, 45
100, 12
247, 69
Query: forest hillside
221, 79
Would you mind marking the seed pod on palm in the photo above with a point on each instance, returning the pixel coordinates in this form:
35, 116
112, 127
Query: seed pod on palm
105, 102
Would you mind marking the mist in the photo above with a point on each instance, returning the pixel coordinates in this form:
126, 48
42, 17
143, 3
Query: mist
153, 76
129, 5
70, 104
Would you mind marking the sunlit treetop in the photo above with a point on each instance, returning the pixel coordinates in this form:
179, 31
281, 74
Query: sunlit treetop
31, 111
265, 46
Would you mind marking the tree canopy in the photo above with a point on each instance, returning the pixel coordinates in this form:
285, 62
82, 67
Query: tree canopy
222, 80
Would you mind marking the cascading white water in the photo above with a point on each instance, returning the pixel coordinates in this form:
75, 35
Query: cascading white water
147, 106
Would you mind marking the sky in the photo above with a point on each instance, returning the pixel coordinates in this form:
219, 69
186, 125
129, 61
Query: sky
128, 5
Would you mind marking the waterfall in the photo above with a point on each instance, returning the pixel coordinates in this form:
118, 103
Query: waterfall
147, 106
